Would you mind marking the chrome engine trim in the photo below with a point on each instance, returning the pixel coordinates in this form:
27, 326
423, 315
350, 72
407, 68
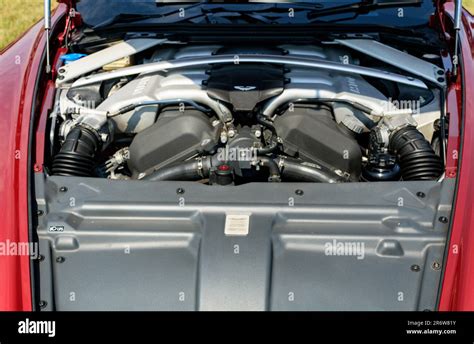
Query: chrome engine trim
397, 58
236, 59
95, 61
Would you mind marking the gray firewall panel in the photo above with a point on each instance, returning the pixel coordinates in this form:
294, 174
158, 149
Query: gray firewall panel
366, 280
156, 249
139, 280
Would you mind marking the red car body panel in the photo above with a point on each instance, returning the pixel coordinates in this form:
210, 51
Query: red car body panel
457, 291
19, 71
19, 68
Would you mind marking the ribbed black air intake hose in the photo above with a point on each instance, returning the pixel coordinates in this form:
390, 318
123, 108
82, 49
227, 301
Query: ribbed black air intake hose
416, 157
77, 155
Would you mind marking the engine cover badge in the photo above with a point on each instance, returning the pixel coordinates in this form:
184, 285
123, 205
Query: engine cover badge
244, 86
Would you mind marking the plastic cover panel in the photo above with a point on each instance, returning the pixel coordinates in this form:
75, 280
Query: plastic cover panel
120, 245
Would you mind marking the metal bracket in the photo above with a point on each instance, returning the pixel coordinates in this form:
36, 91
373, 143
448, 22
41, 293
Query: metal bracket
252, 58
97, 60
397, 58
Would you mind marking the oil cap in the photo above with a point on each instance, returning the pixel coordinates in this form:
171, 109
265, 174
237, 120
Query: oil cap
222, 175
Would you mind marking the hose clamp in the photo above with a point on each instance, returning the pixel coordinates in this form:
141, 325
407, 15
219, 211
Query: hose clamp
281, 163
395, 123
200, 167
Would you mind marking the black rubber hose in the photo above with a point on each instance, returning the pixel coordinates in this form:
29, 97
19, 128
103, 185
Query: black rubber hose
263, 121
416, 157
187, 171
295, 170
77, 155
268, 149
292, 169
272, 166
274, 140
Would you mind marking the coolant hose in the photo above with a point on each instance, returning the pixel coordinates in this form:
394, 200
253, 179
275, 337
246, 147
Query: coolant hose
294, 170
77, 155
272, 147
272, 168
274, 141
187, 171
416, 157
291, 169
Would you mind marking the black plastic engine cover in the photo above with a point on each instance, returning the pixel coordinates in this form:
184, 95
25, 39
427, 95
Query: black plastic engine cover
176, 136
309, 132
244, 86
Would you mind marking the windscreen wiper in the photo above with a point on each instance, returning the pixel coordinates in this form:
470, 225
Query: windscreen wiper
266, 13
215, 13
125, 18
363, 7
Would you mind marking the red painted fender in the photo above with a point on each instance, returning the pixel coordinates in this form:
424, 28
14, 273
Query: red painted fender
19, 71
457, 293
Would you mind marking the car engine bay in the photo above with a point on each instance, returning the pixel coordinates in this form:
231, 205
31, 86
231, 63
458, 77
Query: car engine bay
228, 115
204, 167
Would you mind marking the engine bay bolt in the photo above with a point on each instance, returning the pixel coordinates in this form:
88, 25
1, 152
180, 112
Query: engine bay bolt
440, 72
231, 133
62, 70
60, 260
299, 192
436, 266
40, 258
39, 213
443, 219
180, 191
258, 133
63, 189
42, 304
421, 194
415, 268
274, 179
